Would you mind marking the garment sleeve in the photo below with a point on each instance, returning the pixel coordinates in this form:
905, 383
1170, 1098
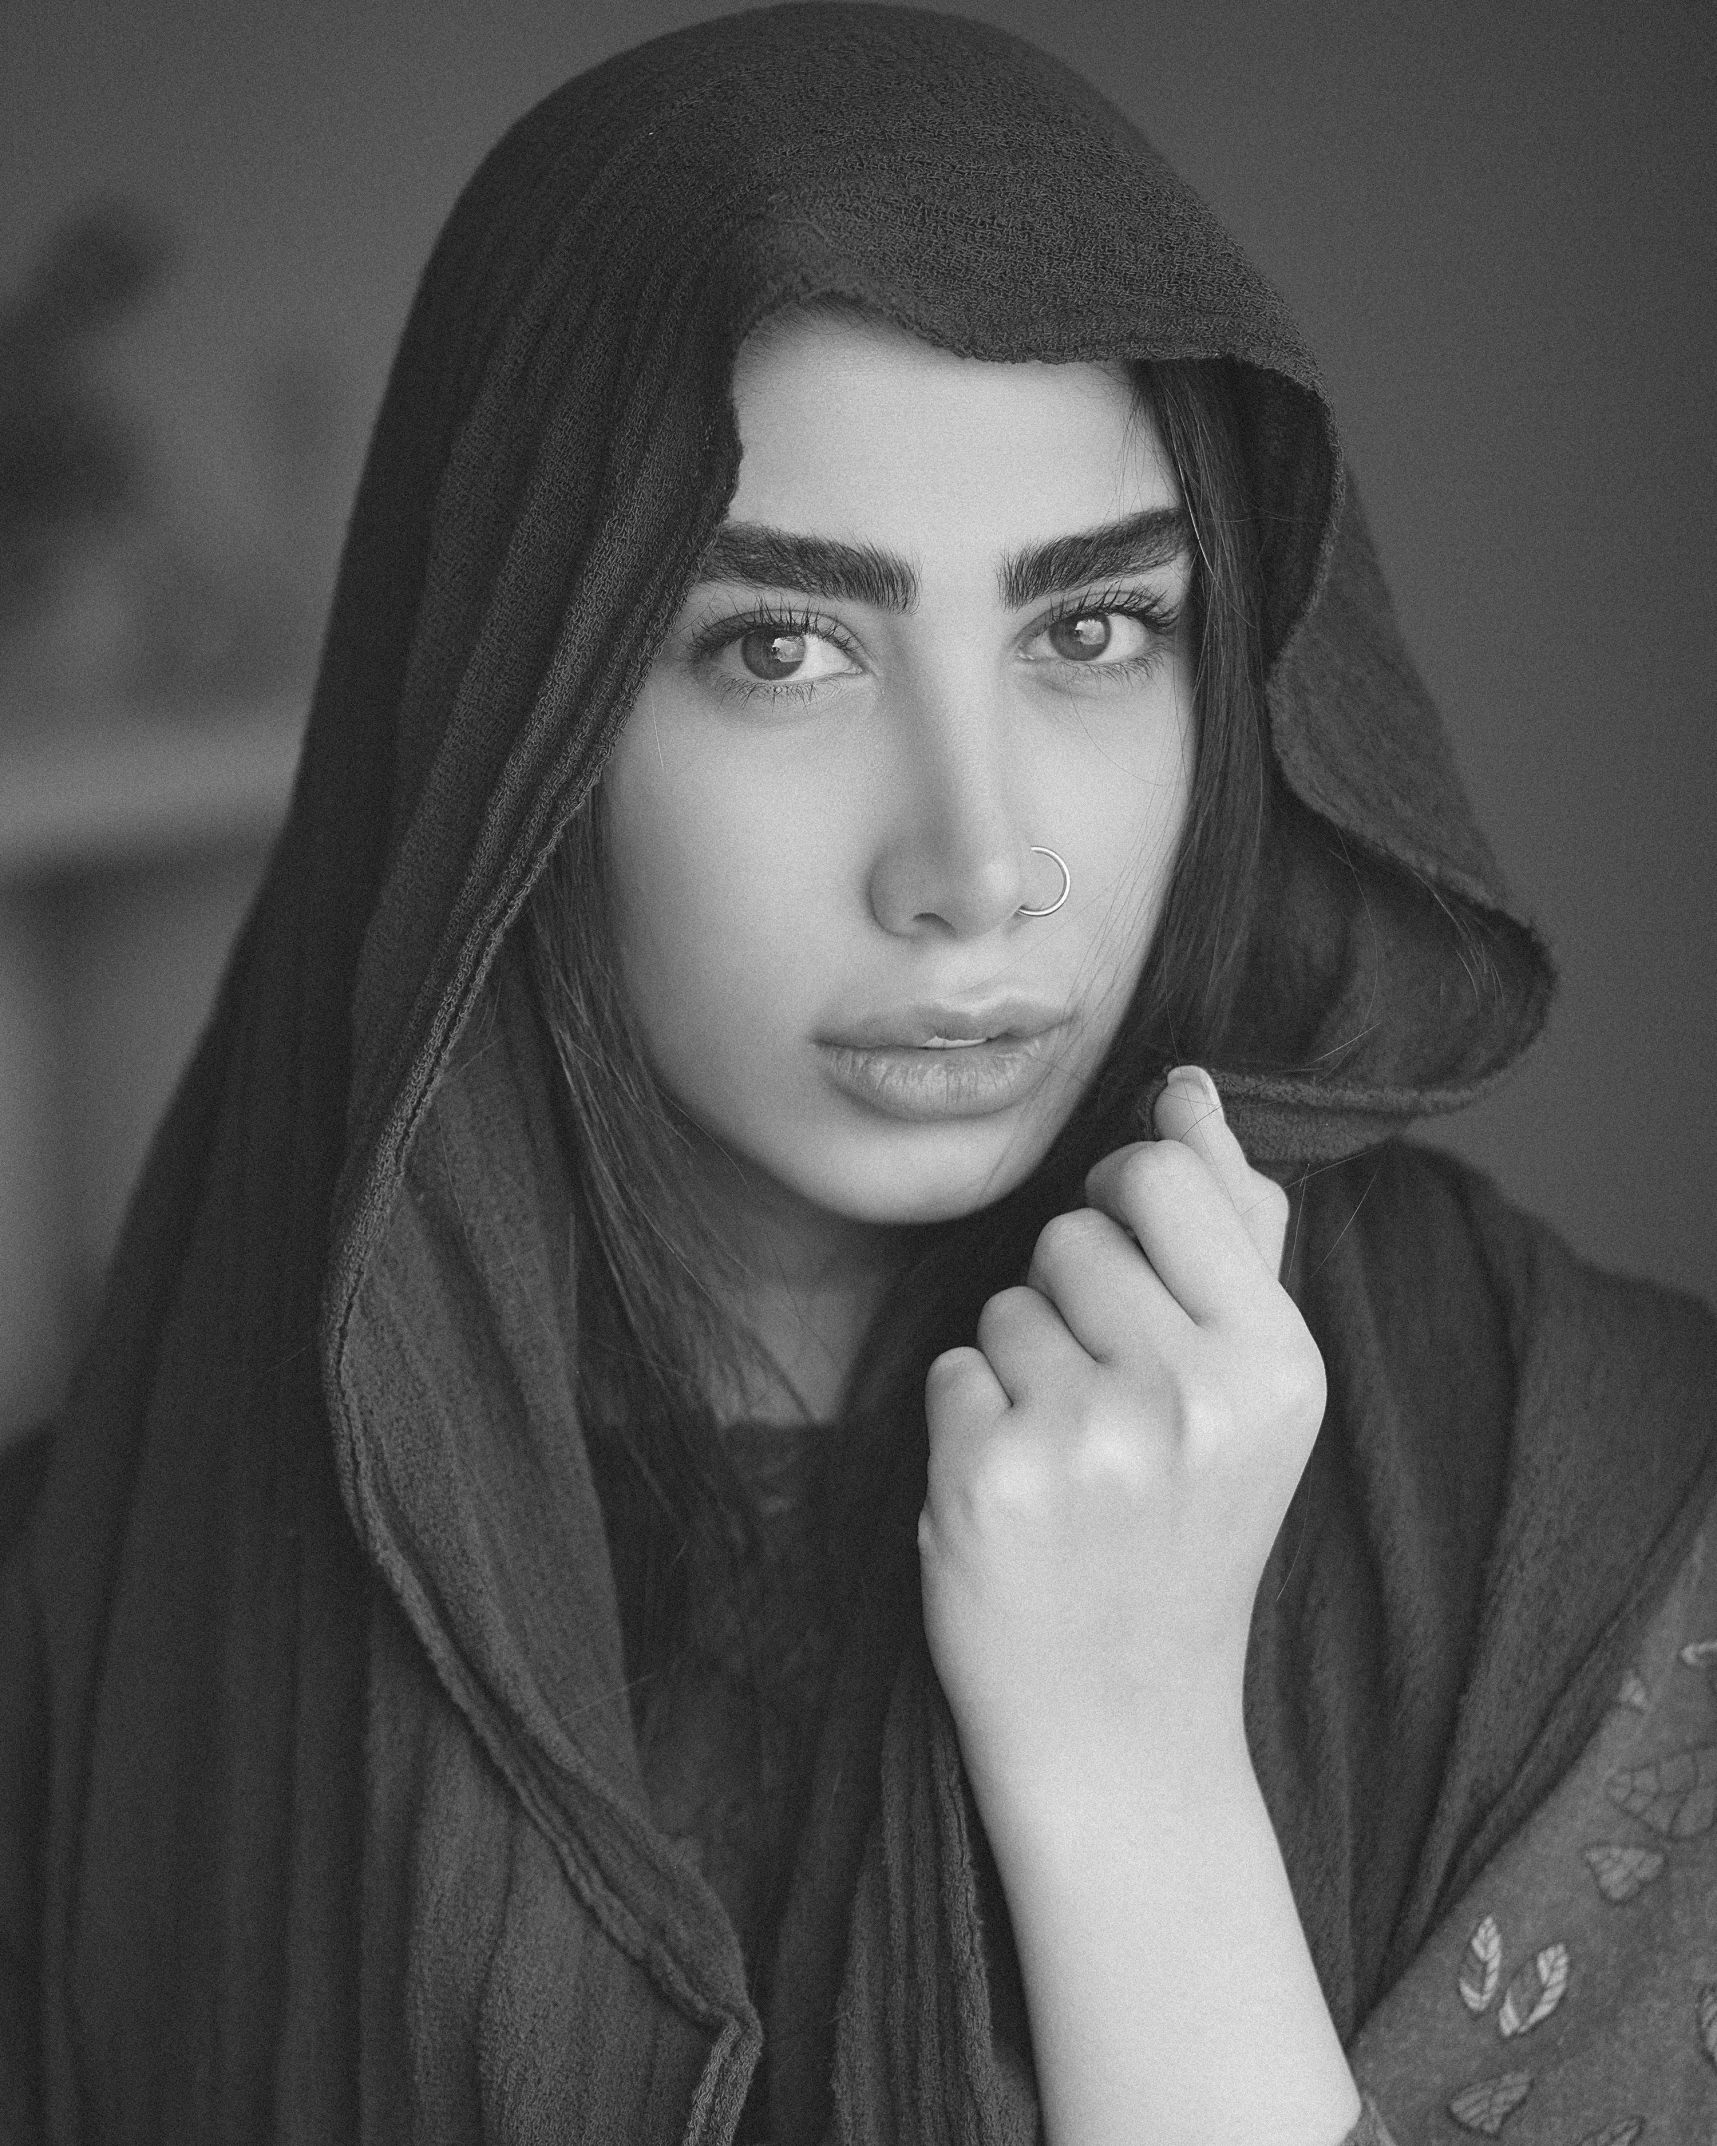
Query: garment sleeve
1575, 1984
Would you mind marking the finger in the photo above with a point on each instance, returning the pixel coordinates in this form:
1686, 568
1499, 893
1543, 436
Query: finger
964, 1406
960, 1389
1190, 1110
1108, 1294
1186, 1226
1028, 1346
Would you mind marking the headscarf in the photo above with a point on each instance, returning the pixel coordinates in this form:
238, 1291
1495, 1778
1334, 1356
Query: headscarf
324, 1816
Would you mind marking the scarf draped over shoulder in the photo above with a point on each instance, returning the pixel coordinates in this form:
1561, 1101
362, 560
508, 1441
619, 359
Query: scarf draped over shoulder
320, 1807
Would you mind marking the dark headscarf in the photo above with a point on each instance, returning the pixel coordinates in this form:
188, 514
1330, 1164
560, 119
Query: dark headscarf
319, 1797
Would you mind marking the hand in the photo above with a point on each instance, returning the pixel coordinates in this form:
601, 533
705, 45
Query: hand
1109, 1468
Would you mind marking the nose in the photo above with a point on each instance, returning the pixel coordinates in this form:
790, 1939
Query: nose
954, 856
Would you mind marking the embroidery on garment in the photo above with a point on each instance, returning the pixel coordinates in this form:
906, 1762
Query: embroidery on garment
1534, 1993
1677, 1796
1622, 1872
1512, 1956
1707, 2011
1481, 1967
1487, 2104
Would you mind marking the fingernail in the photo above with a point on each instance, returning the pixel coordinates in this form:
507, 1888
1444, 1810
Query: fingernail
1197, 1078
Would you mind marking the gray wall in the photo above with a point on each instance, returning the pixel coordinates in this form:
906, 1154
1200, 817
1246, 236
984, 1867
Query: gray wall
1495, 221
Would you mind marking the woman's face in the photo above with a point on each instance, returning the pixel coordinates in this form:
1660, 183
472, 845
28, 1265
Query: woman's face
939, 630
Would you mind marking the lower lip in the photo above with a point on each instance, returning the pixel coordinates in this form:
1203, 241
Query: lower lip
974, 1081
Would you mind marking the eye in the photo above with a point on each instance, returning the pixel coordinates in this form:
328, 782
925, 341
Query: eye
1097, 638
778, 655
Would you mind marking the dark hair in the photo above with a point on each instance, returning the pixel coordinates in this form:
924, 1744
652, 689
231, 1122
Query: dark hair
655, 1336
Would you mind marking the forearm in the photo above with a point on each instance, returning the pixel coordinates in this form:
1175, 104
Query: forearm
1170, 1990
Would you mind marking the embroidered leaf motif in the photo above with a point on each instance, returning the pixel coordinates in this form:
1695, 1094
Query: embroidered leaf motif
1488, 2104
1534, 1993
1708, 2019
1677, 1796
1633, 1692
1622, 2134
1700, 1654
1481, 1966
1621, 1872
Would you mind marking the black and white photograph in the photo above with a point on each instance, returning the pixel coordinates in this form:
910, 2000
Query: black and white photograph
858, 1002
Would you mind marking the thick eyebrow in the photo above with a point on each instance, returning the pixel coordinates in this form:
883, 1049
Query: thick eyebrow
761, 557
766, 558
1158, 537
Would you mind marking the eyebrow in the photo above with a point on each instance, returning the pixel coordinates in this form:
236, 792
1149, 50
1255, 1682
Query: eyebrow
1160, 536
766, 558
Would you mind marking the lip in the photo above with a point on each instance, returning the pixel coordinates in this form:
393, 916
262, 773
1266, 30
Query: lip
1015, 1019
1004, 1052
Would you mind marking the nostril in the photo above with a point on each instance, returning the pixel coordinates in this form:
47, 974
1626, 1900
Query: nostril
963, 888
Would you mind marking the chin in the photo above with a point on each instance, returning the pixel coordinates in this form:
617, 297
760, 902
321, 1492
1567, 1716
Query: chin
898, 1181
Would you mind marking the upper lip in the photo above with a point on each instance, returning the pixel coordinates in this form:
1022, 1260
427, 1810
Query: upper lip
913, 1026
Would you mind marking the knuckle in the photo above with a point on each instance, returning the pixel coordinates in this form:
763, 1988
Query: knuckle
1298, 1384
1108, 1459
1067, 1236
1163, 1167
1309, 1383
991, 1319
1004, 1308
1203, 1418
1003, 1483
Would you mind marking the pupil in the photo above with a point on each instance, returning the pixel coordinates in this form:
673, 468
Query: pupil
1082, 637
768, 654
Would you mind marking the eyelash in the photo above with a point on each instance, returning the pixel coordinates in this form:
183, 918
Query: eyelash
711, 640
1158, 617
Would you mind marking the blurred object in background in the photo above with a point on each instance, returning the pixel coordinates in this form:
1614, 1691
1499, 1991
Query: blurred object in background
159, 613
106, 975
71, 466
114, 592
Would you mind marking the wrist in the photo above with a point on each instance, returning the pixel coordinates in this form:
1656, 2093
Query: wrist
1191, 1772
1180, 1832
1166, 1901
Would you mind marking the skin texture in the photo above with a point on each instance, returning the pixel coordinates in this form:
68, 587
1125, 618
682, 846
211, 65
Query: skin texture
788, 863
1109, 1467
1111, 1460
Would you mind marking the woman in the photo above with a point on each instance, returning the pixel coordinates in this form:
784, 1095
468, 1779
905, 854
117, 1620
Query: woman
718, 1495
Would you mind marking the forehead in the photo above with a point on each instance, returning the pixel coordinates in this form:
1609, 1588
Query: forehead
854, 428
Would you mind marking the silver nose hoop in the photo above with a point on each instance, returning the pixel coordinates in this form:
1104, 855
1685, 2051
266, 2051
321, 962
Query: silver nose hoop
1038, 850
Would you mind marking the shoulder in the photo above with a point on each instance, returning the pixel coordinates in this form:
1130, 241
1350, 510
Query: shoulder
1430, 1225
1466, 1339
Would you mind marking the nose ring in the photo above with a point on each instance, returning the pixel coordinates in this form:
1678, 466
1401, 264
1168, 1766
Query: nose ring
1037, 850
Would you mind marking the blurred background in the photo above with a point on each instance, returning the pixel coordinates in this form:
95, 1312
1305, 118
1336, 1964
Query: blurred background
1496, 219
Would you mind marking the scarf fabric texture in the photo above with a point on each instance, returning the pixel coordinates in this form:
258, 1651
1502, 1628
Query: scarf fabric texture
320, 1806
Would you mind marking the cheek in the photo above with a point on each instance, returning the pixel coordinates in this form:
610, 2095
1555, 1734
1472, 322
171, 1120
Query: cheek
716, 905
1121, 787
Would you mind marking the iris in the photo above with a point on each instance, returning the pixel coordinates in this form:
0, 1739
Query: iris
769, 654
1081, 638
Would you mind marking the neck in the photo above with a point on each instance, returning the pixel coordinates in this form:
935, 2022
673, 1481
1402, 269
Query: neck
808, 1284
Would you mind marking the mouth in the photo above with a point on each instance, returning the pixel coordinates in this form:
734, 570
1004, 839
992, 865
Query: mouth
930, 1062
940, 1025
